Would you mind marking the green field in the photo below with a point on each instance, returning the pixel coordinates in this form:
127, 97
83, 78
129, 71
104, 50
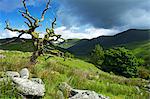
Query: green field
78, 73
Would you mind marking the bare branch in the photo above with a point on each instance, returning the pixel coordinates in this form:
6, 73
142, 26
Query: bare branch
53, 23
24, 4
27, 24
44, 11
14, 30
28, 14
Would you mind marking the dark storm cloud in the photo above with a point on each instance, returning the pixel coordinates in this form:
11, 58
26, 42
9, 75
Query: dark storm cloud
106, 13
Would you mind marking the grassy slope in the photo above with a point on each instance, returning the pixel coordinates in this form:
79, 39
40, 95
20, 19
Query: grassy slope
18, 46
140, 49
77, 73
82, 48
69, 43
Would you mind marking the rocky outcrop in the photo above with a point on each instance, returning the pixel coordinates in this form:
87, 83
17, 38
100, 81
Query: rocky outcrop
33, 87
71, 93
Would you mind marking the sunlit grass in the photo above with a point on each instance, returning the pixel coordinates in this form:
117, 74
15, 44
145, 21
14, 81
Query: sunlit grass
79, 74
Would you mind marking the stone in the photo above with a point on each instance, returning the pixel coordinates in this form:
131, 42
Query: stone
28, 87
148, 87
12, 74
24, 73
33, 88
37, 80
59, 95
79, 94
2, 56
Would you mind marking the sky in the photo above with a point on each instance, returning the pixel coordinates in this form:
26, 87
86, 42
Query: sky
78, 18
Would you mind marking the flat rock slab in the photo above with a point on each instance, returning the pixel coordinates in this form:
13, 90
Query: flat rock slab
79, 94
86, 94
28, 87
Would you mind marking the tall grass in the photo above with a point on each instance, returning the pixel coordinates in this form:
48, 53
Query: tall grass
78, 74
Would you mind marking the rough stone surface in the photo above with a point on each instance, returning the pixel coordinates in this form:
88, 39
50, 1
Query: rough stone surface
37, 80
12, 74
33, 88
24, 73
79, 94
28, 87
148, 87
2, 56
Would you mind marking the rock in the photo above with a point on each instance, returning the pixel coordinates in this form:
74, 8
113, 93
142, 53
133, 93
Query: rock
148, 87
28, 87
24, 73
37, 80
12, 74
2, 56
79, 94
33, 88
59, 95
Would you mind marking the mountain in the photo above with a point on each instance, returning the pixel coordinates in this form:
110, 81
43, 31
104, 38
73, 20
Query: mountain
132, 39
84, 46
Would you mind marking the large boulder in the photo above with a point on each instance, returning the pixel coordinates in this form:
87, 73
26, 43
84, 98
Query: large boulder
71, 93
24, 73
28, 87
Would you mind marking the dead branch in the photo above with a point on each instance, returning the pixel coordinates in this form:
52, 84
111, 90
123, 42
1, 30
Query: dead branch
14, 30
44, 11
26, 11
53, 23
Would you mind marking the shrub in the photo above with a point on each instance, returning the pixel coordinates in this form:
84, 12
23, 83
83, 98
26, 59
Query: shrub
97, 56
143, 73
68, 55
120, 61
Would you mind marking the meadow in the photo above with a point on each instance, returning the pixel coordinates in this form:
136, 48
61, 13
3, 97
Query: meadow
77, 73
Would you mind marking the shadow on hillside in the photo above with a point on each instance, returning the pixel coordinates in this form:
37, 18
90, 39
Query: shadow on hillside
24, 45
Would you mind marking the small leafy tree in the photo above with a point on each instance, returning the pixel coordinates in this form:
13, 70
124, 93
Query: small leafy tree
39, 44
68, 55
120, 61
97, 56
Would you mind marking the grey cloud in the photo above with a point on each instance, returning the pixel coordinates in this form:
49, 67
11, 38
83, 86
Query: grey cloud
106, 13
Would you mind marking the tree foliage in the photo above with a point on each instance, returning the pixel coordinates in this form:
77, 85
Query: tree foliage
120, 61
97, 56
68, 55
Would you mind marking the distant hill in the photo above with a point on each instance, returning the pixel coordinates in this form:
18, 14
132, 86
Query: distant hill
68, 43
84, 47
132, 39
21, 44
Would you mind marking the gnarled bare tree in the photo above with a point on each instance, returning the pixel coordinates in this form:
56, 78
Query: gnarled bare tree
39, 44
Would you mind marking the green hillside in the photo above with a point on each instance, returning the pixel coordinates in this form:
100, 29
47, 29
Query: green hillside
84, 47
69, 43
141, 50
24, 45
77, 73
